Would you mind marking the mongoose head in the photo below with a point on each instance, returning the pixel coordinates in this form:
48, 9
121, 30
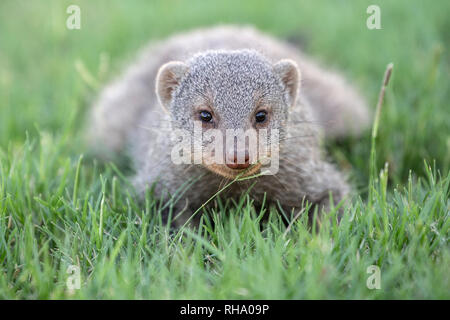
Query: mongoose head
229, 91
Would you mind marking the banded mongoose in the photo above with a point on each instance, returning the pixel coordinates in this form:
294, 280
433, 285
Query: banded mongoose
229, 77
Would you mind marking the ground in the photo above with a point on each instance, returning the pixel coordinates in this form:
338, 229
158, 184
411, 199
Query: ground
60, 209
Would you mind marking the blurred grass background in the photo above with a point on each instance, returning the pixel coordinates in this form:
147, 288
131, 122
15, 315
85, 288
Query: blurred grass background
40, 86
49, 210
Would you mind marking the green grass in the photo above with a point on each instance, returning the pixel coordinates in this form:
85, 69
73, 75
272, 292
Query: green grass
59, 209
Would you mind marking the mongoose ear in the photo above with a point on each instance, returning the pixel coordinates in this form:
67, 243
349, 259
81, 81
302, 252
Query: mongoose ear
289, 74
168, 79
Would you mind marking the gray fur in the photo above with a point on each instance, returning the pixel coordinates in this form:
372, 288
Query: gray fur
234, 67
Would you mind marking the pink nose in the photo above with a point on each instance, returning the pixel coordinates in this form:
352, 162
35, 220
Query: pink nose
233, 162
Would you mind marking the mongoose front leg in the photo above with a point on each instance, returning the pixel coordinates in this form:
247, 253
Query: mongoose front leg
328, 189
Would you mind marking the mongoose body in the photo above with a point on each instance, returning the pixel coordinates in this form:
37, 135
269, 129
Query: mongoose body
229, 78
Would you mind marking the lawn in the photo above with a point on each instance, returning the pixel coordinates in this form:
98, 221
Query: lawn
61, 207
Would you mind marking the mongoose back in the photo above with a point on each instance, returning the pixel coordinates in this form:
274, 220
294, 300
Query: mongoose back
229, 78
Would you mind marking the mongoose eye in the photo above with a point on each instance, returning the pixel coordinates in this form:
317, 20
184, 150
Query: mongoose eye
261, 116
205, 116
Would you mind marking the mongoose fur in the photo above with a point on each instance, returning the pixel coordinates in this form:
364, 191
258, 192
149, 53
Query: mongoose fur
230, 70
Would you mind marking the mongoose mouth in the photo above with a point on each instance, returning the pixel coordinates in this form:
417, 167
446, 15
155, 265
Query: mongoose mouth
231, 174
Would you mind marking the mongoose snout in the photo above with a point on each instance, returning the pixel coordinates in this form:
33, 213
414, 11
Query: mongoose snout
234, 162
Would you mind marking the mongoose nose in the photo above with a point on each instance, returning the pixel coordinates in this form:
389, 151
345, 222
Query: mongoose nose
233, 163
